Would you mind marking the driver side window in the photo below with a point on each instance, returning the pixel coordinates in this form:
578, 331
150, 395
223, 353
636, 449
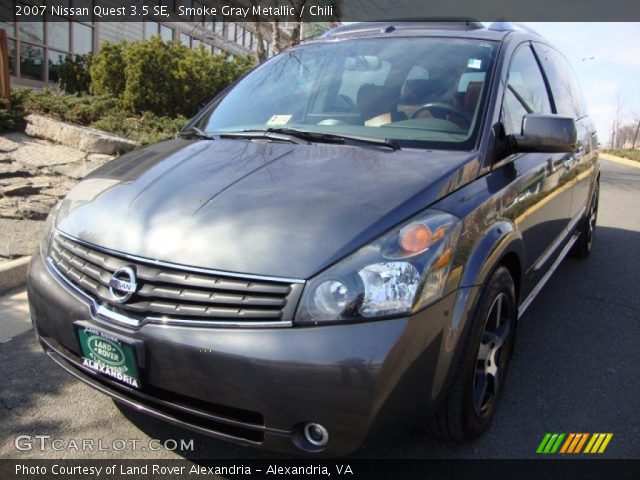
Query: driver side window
526, 91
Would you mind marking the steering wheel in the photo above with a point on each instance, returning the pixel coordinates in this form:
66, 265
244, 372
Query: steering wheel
445, 111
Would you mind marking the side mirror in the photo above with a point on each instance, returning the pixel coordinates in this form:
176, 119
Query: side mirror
546, 134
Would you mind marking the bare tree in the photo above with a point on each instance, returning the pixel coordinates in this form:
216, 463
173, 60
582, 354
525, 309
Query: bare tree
617, 119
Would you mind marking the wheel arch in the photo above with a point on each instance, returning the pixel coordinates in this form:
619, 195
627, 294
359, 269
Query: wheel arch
500, 244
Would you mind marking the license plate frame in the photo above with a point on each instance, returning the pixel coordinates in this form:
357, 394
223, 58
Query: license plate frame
109, 355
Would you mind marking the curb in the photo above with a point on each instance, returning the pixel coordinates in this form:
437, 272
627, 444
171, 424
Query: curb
13, 274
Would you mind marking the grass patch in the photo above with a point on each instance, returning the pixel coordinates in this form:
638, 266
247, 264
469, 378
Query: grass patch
624, 153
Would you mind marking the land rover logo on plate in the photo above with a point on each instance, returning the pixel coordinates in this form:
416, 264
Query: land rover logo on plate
123, 284
106, 351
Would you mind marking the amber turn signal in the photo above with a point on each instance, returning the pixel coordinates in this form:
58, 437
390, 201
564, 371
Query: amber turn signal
415, 238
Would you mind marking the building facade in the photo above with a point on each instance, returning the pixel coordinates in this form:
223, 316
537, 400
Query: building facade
37, 48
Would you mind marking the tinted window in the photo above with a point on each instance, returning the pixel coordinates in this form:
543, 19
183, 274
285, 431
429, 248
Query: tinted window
526, 91
565, 88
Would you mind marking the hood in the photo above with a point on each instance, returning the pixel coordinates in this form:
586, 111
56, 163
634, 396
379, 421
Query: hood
255, 207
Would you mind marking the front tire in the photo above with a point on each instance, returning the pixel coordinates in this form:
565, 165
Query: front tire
471, 403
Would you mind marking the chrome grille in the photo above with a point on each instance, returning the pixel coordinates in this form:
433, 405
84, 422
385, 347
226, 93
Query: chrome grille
173, 294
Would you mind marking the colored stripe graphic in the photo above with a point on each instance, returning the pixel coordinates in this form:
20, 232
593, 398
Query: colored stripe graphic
543, 443
573, 443
581, 442
550, 443
598, 443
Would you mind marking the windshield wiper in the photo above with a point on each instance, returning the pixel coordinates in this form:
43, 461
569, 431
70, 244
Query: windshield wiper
194, 132
291, 134
335, 138
269, 135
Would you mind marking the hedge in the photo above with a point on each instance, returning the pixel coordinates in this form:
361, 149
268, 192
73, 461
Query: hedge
165, 78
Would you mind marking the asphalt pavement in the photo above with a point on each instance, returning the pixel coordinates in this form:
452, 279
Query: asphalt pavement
575, 369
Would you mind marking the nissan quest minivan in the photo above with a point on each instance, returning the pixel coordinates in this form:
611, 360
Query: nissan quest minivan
338, 246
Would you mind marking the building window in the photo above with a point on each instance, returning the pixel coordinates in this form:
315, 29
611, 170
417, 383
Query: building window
231, 31
166, 33
82, 39
150, 28
59, 34
185, 40
36, 49
195, 43
31, 31
55, 60
31, 62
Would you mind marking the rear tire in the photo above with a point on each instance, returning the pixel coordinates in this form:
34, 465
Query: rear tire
471, 402
583, 246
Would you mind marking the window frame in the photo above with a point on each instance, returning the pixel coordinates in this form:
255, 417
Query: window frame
578, 95
528, 44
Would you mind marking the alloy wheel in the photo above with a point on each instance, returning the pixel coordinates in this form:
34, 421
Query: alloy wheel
493, 354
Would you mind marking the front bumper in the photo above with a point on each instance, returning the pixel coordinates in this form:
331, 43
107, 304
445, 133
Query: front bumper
258, 386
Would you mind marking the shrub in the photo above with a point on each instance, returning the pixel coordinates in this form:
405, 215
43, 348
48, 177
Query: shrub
202, 76
167, 79
101, 112
73, 74
12, 112
145, 129
151, 77
107, 70
80, 109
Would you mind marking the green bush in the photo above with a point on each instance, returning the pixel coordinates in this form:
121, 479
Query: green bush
80, 109
151, 76
73, 74
12, 113
145, 129
202, 76
167, 79
107, 70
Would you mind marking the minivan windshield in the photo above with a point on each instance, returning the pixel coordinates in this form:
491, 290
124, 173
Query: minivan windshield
416, 92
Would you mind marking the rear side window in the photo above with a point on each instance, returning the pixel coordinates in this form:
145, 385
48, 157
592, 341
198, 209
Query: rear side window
526, 91
565, 89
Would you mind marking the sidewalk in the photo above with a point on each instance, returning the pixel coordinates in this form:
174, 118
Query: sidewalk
14, 315
34, 175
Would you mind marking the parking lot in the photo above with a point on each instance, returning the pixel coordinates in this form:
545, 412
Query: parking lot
575, 368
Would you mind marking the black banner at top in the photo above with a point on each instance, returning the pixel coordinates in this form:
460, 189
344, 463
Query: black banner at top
319, 10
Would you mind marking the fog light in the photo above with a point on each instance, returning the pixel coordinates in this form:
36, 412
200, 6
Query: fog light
316, 434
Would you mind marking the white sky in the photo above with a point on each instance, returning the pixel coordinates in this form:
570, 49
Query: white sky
606, 58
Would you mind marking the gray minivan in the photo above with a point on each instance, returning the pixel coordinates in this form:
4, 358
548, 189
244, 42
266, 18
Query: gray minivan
339, 245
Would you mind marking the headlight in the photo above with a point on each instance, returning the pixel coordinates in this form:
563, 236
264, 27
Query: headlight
49, 227
400, 272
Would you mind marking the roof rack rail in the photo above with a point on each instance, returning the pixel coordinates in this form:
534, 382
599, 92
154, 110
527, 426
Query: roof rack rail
389, 25
512, 27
